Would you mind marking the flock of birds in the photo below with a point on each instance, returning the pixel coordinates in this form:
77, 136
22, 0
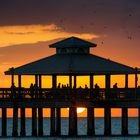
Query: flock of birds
129, 16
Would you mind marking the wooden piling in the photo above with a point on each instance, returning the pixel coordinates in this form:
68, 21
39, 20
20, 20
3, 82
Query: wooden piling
139, 120
90, 122
107, 121
52, 131
15, 122
72, 121
124, 121
22, 121
40, 122
58, 121
34, 121
4, 122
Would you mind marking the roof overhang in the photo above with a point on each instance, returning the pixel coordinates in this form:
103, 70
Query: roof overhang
73, 65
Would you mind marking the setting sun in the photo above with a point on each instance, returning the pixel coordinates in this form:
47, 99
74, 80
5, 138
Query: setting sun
80, 110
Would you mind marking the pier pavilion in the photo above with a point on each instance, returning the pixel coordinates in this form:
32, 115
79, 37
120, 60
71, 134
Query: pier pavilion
72, 58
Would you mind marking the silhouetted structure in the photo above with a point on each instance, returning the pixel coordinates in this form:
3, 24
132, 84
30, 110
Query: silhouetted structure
72, 59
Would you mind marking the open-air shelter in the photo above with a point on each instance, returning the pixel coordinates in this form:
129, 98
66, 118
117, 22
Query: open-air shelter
73, 58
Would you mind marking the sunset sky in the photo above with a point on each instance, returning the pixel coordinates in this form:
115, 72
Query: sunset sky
27, 27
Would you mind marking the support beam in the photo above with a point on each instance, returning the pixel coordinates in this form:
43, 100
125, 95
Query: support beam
72, 121
40, 86
139, 120
34, 121
36, 80
75, 82
36, 87
136, 84
124, 121
91, 81
22, 121
13, 95
54, 81
4, 122
126, 86
107, 110
53, 113
107, 84
90, 121
12, 76
136, 78
58, 121
126, 81
107, 121
15, 122
52, 131
70, 81
40, 110
91, 86
19, 87
19, 81
40, 122
40, 81
54, 85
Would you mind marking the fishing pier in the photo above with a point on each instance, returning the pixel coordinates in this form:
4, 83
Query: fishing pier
72, 59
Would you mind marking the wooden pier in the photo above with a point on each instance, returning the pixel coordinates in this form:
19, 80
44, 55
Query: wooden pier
73, 59
55, 104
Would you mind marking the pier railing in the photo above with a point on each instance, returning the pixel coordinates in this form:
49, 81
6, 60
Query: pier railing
72, 94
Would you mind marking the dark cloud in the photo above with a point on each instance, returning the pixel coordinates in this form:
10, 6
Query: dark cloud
91, 16
67, 12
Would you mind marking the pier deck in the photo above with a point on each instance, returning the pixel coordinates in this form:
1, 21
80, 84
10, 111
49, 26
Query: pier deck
55, 99
65, 98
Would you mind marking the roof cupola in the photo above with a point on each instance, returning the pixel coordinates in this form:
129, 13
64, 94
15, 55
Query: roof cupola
73, 45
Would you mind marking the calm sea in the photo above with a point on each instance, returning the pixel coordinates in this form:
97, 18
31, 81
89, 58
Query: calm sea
82, 129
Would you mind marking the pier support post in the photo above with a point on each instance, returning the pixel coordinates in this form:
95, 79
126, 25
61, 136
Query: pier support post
40, 110
75, 81
52, 132
70, 81
12, 76
4, 122
90, 122
15, 122
139, 119
22, 121
124, 121
107, 121
58, 121
91, 86
107, 84
34, 121
40, 122
72, 121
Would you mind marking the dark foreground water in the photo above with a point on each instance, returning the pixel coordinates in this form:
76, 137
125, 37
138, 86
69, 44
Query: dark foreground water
82, 129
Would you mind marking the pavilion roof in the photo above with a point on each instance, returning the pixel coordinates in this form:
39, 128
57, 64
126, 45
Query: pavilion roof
72, 42
72, 64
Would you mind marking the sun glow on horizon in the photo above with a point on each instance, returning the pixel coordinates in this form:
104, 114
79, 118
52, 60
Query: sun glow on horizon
80, 110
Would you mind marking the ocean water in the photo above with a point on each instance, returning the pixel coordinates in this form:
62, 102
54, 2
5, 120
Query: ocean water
82, 129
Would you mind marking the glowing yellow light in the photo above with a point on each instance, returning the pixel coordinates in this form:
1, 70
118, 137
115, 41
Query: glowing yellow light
79, 109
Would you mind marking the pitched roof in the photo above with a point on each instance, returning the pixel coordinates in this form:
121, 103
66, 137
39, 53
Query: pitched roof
72, 64
72, 42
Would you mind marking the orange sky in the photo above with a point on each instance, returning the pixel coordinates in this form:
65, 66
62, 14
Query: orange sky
34, 33
115, 112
